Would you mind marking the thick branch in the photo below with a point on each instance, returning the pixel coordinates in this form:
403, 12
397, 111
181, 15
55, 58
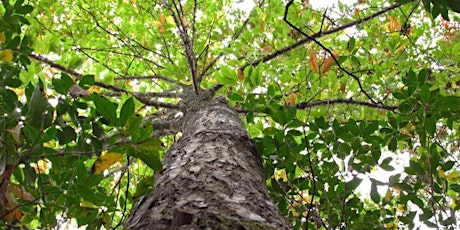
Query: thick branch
64, 69
340, 101
304, 105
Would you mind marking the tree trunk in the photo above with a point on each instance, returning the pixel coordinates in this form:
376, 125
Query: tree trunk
212, 178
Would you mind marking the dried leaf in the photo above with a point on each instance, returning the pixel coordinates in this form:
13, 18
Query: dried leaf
159, 25
19, 191
291, 98
240, 75
162, 19
105, 161
393, 25
328, 63
313, 61
266, 48
343, 86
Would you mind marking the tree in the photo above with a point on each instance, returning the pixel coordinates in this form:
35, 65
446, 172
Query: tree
275, 117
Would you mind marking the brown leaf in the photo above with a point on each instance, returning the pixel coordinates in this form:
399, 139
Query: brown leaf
240, 75
343, 85
19, 192
327, 64
290, 100
393, 25
162, 18
313, 61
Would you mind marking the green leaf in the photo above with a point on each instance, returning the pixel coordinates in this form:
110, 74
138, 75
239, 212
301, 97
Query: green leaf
414, 169
86, 193
353, 184
454, 5
448, 165
24, 9
385, 165
353, 127
151, 159
370, 129
127, 110
226, 76
425, 94
152, 144
106, 108
63, 84
448, 103
37, 107
86, 81
430, 125
393, 144
9, 98
351, 44
375, 196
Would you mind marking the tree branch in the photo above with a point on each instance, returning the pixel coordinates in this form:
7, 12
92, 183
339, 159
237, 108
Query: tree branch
186, 42
141, 97
340, 101
304, 105
318, 35
326, 49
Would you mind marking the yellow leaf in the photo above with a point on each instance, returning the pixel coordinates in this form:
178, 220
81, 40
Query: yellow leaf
400, 208
281, 174
42, 166
290, 100
87, 204
453, 176
105, 161
6, 55
2, 37
170, 20
313, 61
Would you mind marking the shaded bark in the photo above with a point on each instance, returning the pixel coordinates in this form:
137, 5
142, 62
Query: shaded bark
212, 178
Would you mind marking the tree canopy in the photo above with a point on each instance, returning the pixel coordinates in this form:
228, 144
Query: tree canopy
332, 98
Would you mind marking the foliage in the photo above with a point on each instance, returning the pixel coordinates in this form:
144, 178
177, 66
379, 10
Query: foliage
331, 98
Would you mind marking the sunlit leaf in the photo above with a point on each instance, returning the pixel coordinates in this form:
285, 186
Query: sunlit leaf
105, 161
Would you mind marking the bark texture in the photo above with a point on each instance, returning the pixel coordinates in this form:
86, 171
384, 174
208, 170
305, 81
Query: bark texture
212, 178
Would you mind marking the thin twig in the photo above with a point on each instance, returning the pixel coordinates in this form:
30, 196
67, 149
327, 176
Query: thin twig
318, 35
326, 49
188, 45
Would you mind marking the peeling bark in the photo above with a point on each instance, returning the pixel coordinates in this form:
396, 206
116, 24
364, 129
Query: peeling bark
212, 178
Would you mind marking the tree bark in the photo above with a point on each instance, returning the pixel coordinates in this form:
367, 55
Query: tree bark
212, 178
